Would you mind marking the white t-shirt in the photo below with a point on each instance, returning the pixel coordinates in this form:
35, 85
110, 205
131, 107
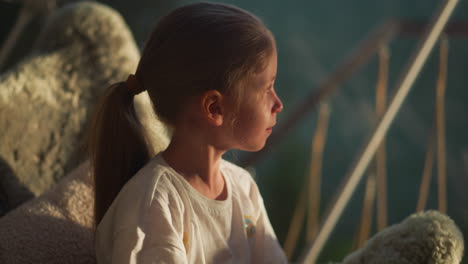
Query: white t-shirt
158, 217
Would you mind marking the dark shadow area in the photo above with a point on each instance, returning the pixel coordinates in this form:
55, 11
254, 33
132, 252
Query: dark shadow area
12, 191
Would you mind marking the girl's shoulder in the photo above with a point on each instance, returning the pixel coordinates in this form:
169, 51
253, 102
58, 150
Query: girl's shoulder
154, 183
156, 177
150, 193
241, 180
236, 173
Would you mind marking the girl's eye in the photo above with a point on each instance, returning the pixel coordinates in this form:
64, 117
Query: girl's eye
271, 87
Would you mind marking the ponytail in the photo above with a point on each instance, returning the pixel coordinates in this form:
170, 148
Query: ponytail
116, 144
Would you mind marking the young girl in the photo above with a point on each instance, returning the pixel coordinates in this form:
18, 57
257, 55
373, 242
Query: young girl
209, 70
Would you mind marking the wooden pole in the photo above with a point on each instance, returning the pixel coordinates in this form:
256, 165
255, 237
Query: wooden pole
378, 172
315, 170
440, 124
380, 157
427, 172
367, 210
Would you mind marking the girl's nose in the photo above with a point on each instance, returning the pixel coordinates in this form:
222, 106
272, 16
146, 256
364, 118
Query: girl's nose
278, 106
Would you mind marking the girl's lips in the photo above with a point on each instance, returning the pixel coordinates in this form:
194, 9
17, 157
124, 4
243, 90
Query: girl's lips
271, 128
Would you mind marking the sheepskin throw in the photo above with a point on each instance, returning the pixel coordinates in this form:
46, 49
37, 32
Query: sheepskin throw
46, 100
427, 237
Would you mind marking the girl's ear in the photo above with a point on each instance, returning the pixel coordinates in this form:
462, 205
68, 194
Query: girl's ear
213, 108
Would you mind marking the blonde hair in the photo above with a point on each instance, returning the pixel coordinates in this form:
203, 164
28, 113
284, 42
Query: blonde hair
195, 48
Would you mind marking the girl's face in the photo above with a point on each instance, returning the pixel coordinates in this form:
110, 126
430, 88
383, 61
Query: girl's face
257, 113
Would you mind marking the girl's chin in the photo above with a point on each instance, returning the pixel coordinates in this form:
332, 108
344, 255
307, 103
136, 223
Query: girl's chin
254, 147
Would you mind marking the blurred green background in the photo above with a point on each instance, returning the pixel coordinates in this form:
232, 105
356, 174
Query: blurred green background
313, 37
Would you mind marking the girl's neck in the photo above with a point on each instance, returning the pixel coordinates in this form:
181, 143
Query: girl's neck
198, 162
